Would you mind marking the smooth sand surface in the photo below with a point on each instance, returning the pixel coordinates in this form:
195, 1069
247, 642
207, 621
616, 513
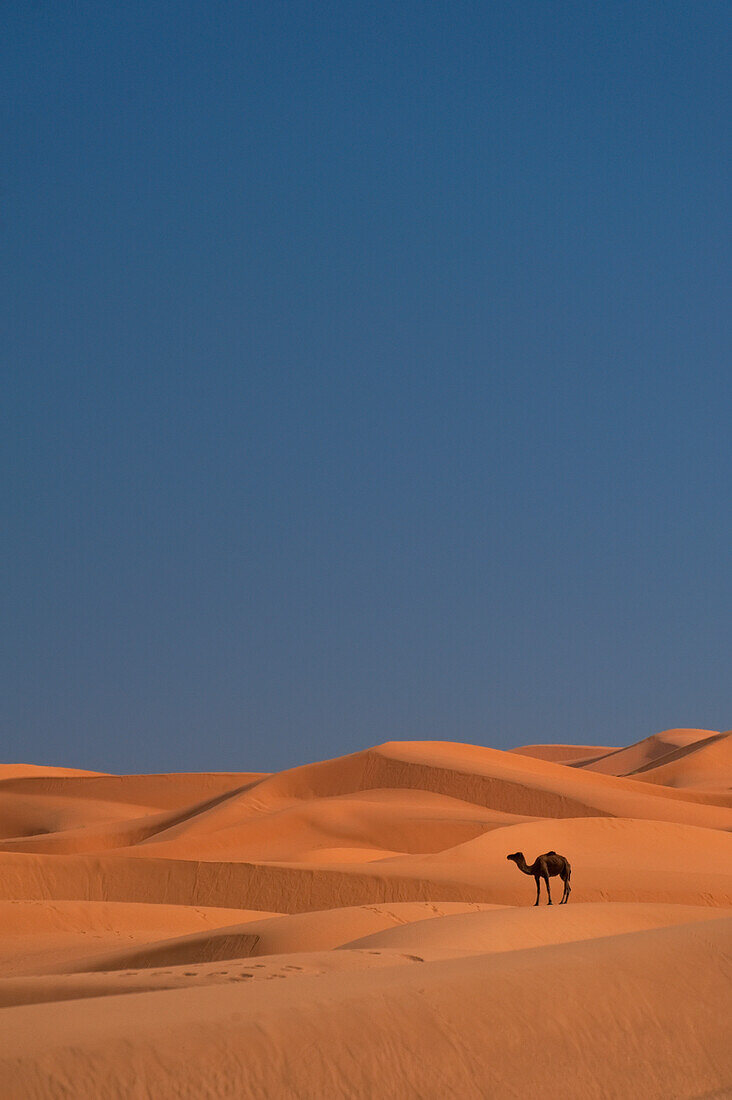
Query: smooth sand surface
353, 928
563, 754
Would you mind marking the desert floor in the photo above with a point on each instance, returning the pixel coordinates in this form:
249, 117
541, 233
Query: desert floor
352, 928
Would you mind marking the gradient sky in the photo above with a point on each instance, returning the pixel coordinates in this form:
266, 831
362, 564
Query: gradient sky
369, 377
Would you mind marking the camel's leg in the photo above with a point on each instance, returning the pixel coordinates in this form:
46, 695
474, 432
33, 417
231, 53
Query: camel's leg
567, 891
538, 883
548, 891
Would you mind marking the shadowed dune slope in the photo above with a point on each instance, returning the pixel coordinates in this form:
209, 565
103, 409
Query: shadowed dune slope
563, 754
34, 818
40, 937
40, 771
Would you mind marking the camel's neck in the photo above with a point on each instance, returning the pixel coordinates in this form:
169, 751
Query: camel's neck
522, 866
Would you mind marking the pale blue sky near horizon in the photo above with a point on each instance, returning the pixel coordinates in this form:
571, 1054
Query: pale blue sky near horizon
369, 377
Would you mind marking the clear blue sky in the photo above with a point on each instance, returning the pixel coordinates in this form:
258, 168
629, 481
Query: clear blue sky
369, 377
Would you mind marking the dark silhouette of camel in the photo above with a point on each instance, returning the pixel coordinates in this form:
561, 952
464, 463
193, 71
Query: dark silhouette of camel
546, 867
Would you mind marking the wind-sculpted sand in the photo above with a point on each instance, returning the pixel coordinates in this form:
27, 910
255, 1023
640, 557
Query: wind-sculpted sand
352, 928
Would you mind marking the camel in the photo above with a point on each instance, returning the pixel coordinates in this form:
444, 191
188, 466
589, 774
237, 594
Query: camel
546, 867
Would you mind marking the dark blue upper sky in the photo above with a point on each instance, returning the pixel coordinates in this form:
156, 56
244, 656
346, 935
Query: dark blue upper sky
369, 377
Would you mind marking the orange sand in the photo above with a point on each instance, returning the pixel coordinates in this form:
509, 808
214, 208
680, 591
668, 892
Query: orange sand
353, 928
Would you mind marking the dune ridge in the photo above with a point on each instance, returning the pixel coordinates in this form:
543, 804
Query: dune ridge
352, 926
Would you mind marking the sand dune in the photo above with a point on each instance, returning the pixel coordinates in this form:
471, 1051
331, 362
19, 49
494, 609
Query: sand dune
704, 765
27, 990
395, 799
38, 771
352, 927
275, 935
41, 937
564, 754
38, 817
514, 929
467, 1026
164, 792
648, 752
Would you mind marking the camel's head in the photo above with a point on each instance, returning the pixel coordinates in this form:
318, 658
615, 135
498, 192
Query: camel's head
516, 856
